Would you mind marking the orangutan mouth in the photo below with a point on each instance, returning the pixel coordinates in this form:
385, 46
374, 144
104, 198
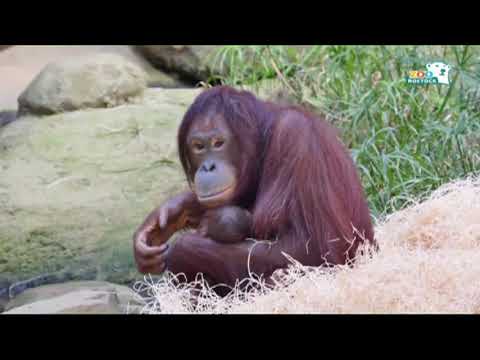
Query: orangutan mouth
224, 193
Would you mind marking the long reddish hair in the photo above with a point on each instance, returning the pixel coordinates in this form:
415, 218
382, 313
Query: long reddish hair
295, 174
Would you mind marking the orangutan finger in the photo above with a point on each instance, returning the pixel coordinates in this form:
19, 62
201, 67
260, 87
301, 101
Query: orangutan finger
202, 230
155, 260
150, 222
162, 219
139, 239
146, 251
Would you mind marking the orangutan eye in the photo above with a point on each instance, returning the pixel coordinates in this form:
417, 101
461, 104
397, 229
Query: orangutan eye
218, 143
198, 146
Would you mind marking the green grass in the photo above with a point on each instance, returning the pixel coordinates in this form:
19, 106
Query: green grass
407, 140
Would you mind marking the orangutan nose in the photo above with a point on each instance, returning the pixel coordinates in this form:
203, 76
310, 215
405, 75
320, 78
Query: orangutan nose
208, 166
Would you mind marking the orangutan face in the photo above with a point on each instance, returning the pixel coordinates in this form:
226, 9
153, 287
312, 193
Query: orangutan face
214, 156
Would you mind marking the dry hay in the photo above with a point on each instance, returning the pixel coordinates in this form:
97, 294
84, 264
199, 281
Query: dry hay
429, 262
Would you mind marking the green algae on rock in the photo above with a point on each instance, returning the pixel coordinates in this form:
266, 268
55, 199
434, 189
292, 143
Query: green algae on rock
74, 186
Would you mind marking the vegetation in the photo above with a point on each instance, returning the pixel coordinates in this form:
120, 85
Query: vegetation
406, 139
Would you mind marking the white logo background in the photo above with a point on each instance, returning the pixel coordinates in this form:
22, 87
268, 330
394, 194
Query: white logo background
439, 70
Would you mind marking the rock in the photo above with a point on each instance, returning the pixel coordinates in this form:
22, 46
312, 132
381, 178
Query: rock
161, 79
271, 90
51, 278
75, 186
7, 117
4, 286
77, 302
76, 297
85, 82
190, 62
20, 64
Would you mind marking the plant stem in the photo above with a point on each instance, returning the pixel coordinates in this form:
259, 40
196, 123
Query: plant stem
461, 63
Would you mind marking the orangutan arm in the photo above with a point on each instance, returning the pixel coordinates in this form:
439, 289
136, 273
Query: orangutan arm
221, 263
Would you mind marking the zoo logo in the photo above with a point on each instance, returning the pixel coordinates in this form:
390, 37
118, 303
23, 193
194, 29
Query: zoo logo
436, 73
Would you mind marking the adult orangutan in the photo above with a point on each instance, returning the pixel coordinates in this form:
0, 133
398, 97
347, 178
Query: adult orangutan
284, 165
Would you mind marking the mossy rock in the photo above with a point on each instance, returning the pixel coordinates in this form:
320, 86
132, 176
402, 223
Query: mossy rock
75, 186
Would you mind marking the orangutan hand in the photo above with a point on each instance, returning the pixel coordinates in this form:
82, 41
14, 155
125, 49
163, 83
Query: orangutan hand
149, 241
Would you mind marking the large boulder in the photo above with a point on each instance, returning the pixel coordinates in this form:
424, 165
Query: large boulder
86, 82
19, 65
191, 62
74, 186
77, 297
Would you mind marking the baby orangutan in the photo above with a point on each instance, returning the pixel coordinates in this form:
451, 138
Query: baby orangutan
226, 224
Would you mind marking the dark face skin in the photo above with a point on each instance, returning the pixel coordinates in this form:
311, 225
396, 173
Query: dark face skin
212, 152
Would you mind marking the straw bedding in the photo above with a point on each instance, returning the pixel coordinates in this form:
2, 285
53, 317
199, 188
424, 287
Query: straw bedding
429, 262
